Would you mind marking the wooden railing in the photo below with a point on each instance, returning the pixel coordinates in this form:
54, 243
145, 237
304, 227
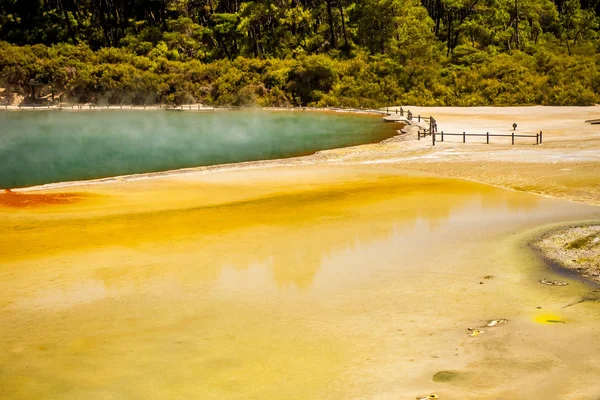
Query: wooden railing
538, 136
432, 130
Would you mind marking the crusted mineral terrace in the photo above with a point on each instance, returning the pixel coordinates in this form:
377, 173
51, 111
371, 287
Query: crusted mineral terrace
574, 247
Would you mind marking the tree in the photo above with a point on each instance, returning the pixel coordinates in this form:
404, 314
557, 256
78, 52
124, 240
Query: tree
576, 24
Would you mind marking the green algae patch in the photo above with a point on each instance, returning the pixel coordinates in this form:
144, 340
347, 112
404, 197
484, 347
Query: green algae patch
446, 376
582, 242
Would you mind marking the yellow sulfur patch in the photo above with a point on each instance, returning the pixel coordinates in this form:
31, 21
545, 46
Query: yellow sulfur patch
548, 318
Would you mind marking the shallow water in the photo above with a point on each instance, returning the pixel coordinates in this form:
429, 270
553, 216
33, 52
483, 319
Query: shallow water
46, 147
290, 283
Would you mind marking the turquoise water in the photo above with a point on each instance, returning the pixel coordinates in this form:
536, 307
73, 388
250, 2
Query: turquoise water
53, 146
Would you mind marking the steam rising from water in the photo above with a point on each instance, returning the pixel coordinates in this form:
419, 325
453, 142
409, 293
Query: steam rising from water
44, 147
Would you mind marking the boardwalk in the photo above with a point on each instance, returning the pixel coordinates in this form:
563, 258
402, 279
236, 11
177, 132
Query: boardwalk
427, 126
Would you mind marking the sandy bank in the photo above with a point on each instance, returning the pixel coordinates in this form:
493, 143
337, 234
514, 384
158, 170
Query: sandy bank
574, 247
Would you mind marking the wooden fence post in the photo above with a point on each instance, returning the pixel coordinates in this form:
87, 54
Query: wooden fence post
433, 139
540, 137
442, 136
419, 117
487, 137
464, 137
537, 138
419, 134
513, 137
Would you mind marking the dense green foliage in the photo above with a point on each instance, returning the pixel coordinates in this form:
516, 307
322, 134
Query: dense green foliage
299, 52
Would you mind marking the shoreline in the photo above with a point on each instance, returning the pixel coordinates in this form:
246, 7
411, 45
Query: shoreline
183, 107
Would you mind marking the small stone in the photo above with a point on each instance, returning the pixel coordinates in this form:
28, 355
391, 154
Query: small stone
553, 283
495, 322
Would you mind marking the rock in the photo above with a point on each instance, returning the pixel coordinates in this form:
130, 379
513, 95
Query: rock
474, 332
553, 283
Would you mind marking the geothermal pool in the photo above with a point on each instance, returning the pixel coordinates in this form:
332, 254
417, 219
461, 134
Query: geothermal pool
309, 282
46, 147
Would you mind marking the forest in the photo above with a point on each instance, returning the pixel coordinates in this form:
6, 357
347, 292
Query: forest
366, 53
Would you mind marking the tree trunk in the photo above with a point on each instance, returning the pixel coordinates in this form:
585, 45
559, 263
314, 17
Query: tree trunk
517, 24
331, 28
449, 37
343, 23
438, 16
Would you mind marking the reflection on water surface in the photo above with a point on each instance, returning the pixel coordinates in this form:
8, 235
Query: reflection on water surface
336, 284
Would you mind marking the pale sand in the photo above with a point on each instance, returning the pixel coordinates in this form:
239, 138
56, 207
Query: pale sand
566, 165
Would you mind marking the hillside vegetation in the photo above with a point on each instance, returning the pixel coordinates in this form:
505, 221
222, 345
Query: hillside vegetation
302, 52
